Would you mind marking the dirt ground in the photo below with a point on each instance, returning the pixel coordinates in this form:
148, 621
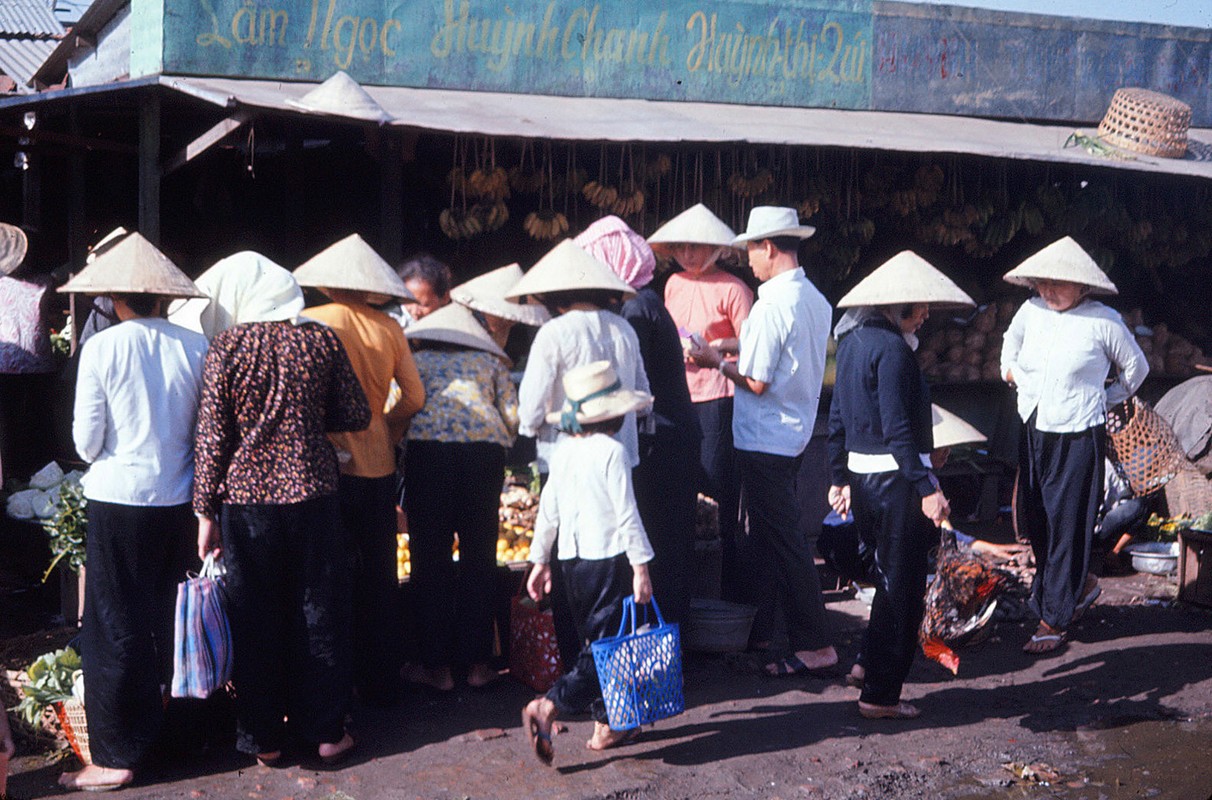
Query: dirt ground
1123, 711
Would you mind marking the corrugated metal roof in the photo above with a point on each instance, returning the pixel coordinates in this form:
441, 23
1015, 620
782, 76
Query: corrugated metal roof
20, 59
68, 12
29, 18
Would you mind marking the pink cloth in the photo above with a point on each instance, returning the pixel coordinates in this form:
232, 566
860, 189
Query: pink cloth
612, 242
714, 306
24, 331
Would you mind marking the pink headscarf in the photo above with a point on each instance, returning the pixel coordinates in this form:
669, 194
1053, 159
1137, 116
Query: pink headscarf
612, 242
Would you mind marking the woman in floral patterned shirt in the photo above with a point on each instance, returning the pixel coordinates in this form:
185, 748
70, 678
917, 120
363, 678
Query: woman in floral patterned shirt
454, 468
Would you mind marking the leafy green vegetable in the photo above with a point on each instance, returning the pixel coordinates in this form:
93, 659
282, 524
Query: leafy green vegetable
1203, 522
67, 528
50, 680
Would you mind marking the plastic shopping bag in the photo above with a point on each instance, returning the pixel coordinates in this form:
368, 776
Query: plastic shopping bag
202, 656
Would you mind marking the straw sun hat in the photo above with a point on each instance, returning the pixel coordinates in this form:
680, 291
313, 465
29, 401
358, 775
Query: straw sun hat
594, 393
567, 267
353, 265
132, 266
949, 430
341, 96
486, 294
695, 225
770, 222
1063, 260
906, 278
13, 246
454, 324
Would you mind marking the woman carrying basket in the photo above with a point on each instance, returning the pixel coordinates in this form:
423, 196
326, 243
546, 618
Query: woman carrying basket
1058, 352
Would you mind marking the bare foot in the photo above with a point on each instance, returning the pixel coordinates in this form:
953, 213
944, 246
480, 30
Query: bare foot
901, 710
335, 752
538, 718
480, 675
96, 779
604, 737
1044, 640
439, 679
856, 677
818, 659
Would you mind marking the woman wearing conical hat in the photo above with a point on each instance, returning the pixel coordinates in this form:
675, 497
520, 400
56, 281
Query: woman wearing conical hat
710, 303
485, 296
137, 393
1058, 352
880, 442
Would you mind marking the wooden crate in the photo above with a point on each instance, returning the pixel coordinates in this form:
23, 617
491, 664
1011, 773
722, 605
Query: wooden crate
1195, 567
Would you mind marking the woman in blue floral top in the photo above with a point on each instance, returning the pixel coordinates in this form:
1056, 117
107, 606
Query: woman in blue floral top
454, 468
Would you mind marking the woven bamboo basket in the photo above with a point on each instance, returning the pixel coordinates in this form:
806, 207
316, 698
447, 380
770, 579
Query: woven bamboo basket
1147, 122
1189, 492
75, 728
1143, 446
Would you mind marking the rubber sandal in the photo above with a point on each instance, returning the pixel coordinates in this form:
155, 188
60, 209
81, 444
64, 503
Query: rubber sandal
540, 742
901, 710
792, 665
270, 760
1052, 642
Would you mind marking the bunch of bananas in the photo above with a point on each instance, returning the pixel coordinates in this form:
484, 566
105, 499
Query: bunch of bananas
600, 195
526, 182
459, 224
660, 165
546, 224
491, 215
629, 203
810, 204
747, 186
489, 184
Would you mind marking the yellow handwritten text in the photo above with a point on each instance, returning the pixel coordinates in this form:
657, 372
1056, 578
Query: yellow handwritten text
349, 34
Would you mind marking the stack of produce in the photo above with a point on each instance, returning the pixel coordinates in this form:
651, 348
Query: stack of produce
970, 350
1168, 353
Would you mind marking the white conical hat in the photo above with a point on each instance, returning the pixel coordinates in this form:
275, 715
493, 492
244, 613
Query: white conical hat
486, 294
13, 246
341, 96
906, 278
695, 225
353, 265
949, 430
243, 287
454, 324
567, 267
132, 266
1063, 260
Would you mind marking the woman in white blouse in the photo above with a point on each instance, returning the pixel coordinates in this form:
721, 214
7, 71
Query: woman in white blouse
1058, 352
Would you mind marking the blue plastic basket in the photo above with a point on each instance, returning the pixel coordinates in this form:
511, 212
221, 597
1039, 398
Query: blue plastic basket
640, 672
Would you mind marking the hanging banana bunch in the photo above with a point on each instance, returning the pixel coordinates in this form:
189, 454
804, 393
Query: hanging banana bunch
545, 224
751, 186
600, 195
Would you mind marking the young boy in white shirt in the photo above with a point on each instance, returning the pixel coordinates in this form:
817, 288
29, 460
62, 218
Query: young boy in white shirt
589, 505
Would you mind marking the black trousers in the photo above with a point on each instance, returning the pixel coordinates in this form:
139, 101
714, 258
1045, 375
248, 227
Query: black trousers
717, 478
596, 590
454, 487
289, 592
1060, 490
136, 555
666, 497
368, 509
891, 525
784, 573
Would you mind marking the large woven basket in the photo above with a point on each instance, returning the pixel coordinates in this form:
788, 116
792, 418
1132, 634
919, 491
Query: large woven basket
1190, 493
1147, 122
1143, 446
75, 728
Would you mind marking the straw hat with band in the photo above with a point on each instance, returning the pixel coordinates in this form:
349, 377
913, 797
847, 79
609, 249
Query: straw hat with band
353, 265
594, 393
486, 294
1063, 260
695, 225
567, 268
341, 96
132, 266
454, 324
906, 278
244, 287
950, 430
772, 222
13, 246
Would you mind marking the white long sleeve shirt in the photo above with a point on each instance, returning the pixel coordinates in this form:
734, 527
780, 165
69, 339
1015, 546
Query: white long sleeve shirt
136, 409
1060, 361
571, 340
588, 504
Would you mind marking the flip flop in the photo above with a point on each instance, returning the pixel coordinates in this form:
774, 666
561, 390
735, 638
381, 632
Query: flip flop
901, 710
333, 759
792, 665
1053, 641
1086, 601
540, 742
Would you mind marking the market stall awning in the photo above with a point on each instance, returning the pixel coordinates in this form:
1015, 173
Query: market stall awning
612, 119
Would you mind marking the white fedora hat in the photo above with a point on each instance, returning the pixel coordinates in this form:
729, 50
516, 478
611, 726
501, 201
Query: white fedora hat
594, 393
132, 266
353, 265
695, 225
1063, 260
769, 222
454, 324
567, 267
341, 96
486, 294
13, 246
906, 278
949, 430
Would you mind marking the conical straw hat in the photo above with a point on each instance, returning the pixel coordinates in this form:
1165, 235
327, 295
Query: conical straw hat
695, 225
486, 294
341, 96
906, 278
454, 324
1063, 260
13, 246
949, 430
132, 266
243, 287
567, 267
353, 265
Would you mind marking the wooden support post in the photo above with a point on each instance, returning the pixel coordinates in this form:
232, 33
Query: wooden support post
149, 167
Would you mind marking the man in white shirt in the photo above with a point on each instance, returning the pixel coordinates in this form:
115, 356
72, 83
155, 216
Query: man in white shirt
778, 376
136, 407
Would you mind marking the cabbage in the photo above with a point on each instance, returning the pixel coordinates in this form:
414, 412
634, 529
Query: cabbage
20, 505
48, 476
